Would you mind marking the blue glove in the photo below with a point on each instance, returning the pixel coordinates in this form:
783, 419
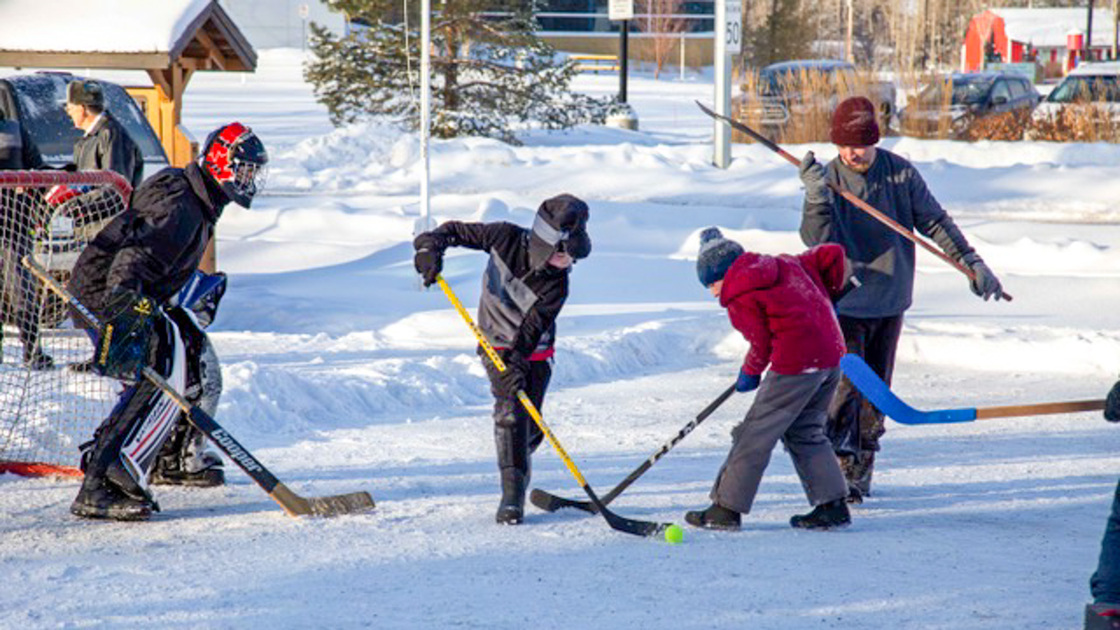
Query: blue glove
747, 382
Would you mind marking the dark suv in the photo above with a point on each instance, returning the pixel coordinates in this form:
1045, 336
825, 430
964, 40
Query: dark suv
970, 106
38, 102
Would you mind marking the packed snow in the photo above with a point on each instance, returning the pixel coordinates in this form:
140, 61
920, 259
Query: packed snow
342, 375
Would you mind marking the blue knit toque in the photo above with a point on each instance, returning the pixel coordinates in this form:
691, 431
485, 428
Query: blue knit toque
716, 255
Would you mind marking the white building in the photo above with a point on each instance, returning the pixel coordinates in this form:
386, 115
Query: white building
281, 23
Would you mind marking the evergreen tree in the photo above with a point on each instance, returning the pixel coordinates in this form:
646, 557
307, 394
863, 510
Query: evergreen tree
784, 33
490, 72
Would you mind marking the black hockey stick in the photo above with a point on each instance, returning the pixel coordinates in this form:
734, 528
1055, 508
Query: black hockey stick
550, 502
622, 524
893, 225
293, 504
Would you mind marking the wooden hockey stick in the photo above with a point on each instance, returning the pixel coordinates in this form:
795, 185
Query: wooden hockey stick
627, 525
293, 504
874, 389
895, 226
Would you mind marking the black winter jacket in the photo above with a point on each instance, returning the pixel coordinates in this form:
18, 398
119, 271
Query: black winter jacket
519, 306
154, 245
107, 146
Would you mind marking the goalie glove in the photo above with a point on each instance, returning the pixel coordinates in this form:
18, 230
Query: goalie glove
124, 339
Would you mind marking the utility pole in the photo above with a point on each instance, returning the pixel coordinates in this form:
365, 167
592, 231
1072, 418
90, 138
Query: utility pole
849, 52
1088, 56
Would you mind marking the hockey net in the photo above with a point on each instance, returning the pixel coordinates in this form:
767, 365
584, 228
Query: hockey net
48, 404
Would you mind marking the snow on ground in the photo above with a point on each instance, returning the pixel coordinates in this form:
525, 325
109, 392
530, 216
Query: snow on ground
341, 375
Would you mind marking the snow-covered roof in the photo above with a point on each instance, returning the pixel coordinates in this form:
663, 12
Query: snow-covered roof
1048, 27
114, 26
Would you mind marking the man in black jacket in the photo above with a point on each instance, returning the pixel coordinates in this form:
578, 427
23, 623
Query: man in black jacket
18, 303
126, 276
105, 145
523, 289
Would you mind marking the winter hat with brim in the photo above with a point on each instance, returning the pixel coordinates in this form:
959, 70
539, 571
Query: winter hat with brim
854, 124
716, 255
88, 93
560, 225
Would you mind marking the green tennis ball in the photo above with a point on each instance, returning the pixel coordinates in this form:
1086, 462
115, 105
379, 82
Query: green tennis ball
674, 534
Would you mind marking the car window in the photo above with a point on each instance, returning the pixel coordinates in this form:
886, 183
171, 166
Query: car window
1001, 89
42, 100
965, 91
1086, 88
45, 118
1018, 89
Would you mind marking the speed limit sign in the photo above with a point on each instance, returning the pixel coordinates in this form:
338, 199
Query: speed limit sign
733, 31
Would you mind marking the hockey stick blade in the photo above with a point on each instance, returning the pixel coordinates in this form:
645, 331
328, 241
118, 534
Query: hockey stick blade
618, 523
293, 504
875, 390
550, 502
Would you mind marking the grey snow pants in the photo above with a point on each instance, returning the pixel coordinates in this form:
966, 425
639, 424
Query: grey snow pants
793, 409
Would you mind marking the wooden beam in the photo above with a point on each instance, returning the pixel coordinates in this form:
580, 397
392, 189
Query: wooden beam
130, 61
213, 51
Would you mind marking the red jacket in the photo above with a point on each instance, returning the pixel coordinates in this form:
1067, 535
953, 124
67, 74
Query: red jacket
782, 305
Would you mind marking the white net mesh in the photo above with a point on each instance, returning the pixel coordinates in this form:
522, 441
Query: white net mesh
48, 403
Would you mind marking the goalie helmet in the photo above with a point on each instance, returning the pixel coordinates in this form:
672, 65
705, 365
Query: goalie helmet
235, 158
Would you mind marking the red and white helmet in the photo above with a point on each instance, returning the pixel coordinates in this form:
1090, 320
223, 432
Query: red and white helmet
236, 159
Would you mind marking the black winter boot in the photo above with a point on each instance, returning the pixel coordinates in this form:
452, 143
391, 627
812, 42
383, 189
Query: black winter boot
100, 499
511, 510
831, 515
715, 517
1102, 616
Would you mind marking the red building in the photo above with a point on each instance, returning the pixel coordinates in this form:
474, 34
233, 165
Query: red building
1050, 37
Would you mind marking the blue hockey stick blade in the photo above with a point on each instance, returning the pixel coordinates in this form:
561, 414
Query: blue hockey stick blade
870, 385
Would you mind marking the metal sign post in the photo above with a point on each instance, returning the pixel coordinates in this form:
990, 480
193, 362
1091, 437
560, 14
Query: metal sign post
304, 11
622, 10
729, 41
425, 112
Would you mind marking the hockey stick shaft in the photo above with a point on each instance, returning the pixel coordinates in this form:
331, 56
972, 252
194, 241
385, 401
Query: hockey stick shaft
629, 526
292, 503
875, 390
550, 502
895, 226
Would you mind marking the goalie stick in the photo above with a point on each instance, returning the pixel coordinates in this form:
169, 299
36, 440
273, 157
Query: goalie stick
871, 386
895, 226
293, 504
619, 523
550, 502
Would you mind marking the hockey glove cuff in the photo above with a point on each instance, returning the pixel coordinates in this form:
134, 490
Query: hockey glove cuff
125, 335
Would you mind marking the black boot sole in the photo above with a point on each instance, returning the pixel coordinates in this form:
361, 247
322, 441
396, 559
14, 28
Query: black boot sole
137, 513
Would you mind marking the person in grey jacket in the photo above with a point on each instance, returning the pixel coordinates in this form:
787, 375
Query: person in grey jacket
105, 145
882, 261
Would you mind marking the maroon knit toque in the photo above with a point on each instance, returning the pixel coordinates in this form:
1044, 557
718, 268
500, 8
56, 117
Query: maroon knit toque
853, 123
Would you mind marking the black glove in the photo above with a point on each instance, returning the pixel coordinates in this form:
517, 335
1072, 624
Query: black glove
429, 263
985, 283
125, 335
812, 175
512, 379
1112, 404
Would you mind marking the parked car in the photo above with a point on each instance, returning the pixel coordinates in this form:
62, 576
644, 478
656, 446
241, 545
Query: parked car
794, 100
38, 102
968, 106
1084, 106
